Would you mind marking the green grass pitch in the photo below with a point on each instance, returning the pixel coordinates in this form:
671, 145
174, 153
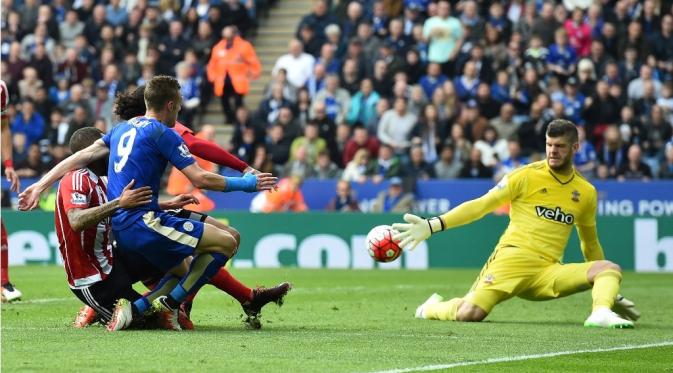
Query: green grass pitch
339, 321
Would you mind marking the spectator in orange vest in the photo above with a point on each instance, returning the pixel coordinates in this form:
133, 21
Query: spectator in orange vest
287, 197
232, 64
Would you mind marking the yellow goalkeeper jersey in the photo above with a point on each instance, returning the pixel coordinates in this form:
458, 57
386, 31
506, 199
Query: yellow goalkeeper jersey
544, 208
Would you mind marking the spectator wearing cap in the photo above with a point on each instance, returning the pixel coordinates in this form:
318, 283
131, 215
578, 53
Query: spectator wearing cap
29, 122
445, 34
336, 99
233, 63
394, 199
299, 65
396, 126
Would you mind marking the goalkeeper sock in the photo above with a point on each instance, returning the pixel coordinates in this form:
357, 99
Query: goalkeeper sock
606, 287
202, 268
443, 310
224, 281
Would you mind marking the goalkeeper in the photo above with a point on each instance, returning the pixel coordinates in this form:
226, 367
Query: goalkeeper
547, 199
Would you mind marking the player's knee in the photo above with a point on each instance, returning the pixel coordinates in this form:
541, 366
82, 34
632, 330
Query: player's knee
605, 265
470, 312
231, 230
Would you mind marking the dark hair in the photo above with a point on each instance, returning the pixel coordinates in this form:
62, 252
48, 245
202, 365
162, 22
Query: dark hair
84, 137
562, 127
160, 90
131, 103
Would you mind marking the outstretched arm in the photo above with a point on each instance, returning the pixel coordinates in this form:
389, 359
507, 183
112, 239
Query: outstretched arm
203, 179
10, 174
212, 152
29, 199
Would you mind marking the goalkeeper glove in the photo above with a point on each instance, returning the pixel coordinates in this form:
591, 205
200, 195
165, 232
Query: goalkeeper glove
625, 308
416, 230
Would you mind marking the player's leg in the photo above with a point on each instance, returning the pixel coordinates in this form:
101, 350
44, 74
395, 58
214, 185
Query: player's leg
252, 300
560, 280
9, 292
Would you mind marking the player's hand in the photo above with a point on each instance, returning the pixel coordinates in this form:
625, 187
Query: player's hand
29, 198
131, 198
13, 178
265, 181
257, 172
179, 202
416, 230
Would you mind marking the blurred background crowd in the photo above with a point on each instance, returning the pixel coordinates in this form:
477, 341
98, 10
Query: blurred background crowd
369, 90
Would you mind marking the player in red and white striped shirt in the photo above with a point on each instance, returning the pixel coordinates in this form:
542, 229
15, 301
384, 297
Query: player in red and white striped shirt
9, 292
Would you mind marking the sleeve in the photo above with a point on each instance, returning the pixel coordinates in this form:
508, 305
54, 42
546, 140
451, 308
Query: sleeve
74, 190
174, 149
108, 137
508, 189
213, 153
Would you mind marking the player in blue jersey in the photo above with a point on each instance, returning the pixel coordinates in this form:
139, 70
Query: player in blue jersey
139, 150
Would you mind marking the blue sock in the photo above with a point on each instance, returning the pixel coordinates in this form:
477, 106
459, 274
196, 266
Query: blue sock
162, 288
203, 267
141, 305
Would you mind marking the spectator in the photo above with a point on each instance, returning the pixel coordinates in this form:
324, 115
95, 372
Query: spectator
393, 199
359, 168
474, 168
299, 65
232, 64
396, 126
72, 69
317, 80
336, 100
418, 168
579, 32
287, 197
174, 45
42, 104
429, 132
445, 34
325, 168
278, 146
448, 166
585, 158
270, 107
546, 25
115, 14
387, 165
611, 152
29, 123
319, 19
636, 88
634, 168
76, 99
289, 91
492, 149
32, 166
262, 160
310, 142
601, 108
562, 57
504, 123
329, 59
244, 147
290, 125
337, 148
487, 106
29, 84
189, 90
344, 201
511, 163
433, 79
310, 40
299, 163
656, 132
362, 108
662, 43
235, 14
666, 169
93, 25
102, 104
43, 65
466, 84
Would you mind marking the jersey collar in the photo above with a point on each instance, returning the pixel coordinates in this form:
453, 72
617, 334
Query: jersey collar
92, 176
562, 179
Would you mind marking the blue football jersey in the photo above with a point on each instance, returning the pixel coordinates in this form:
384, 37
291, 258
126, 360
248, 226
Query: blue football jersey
139, 150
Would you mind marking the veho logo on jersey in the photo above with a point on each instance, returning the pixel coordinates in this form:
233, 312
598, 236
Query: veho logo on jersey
556, 215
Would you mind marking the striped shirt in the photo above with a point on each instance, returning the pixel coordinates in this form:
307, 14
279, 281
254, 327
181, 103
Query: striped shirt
87, 255
4, 99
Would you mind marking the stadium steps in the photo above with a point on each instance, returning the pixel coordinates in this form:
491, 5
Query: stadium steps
270, 42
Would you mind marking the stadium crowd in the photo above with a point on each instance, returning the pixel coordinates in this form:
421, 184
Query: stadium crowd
369, 89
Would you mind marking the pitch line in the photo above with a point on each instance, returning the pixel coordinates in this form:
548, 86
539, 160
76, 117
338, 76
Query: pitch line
524, 357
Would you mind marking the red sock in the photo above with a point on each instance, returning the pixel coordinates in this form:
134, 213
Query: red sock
4, 260
224, 281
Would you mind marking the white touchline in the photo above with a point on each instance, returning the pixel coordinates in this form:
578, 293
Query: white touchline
524, 357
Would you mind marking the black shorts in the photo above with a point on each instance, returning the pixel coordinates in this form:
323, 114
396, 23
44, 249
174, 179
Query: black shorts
102, 295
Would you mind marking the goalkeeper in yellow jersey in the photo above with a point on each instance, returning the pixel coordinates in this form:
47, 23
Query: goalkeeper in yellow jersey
547, 199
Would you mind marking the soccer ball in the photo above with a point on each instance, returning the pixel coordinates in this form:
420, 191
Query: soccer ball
380, 244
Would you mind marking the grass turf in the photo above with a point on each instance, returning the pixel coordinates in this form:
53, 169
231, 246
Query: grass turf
337, 321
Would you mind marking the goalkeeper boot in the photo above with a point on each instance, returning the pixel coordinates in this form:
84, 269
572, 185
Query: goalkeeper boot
625, 308
434, 299
10, 293
85, 317
122, 316
168, 317
261, 297
184, 320
604, 318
